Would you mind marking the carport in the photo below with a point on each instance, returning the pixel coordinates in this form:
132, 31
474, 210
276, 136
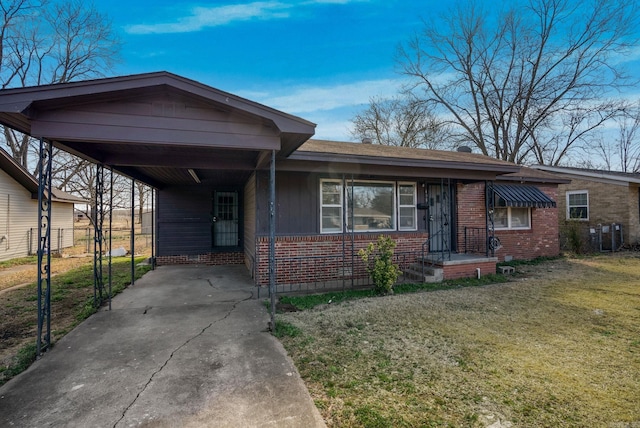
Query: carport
188, 141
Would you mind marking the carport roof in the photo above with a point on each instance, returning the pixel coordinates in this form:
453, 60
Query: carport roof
155, 126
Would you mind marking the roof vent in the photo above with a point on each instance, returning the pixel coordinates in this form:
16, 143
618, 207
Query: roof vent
366, 140
464, 149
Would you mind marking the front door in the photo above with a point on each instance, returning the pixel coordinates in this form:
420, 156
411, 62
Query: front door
439, 199
225, 219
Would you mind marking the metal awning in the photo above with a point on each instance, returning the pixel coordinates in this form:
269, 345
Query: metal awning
509, 195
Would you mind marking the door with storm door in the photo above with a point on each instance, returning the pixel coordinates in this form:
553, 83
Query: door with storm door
224, 228
439, 198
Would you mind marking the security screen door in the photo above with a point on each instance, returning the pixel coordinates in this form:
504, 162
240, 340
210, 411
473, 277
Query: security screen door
439, 217
225, 219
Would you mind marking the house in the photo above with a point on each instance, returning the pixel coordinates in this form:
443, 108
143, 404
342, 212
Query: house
19, 212
604, 205
239, 182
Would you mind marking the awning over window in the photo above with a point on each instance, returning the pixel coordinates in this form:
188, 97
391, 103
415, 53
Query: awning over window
509, 195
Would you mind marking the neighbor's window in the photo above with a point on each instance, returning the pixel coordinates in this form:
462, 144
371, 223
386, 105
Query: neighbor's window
578, 205
512, 218
367, 206
331, 206
407, 206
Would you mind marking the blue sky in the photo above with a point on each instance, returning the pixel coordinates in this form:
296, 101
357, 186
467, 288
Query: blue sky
318, 59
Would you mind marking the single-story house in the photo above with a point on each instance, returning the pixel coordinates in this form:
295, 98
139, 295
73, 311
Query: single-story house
217, 161
19, 212
606, 204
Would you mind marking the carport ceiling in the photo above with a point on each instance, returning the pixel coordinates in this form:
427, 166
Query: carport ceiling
155, 127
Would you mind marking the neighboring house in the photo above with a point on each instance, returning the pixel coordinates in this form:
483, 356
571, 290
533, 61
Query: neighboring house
19, 212
210, 155
603, 203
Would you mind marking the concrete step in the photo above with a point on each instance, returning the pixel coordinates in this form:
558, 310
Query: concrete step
431, 274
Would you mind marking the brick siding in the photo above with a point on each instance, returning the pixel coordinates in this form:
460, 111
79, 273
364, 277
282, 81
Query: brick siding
232, 258
317, 258
539, 241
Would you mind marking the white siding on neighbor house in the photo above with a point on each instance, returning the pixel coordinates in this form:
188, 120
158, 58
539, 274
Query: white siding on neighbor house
19, 220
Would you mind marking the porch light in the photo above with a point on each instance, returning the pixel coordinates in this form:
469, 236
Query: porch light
193, 175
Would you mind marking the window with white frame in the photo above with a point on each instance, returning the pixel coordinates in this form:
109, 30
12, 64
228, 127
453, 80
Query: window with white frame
578, 205
368, 206
331, 206
506, 218
407, 206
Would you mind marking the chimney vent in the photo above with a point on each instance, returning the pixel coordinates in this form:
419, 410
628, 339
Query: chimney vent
366, 140
464, 149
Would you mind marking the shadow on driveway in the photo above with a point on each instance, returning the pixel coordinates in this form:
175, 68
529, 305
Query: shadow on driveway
186, 346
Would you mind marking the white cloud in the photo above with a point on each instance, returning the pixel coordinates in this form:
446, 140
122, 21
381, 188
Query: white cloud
203, 17
323, 98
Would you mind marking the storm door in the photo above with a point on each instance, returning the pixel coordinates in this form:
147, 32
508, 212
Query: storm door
225, 219
439, 202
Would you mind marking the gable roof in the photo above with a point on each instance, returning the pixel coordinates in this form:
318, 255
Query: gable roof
29, 182
155, 127
336, 151
592, 174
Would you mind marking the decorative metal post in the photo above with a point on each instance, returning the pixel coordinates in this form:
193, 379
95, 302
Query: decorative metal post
44, 248
133, 231
272, 239
110, 233
153, 228
98, 219
490, 208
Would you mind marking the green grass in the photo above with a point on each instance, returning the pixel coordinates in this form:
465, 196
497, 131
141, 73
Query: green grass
557, 346
313, 300
71, 293
19, 261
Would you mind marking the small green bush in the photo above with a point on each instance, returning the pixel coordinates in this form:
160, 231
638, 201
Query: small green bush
572, 233
378, 261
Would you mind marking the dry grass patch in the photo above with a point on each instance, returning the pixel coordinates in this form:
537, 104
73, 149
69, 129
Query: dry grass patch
558, 346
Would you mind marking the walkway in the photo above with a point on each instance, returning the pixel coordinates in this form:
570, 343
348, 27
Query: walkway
185, 347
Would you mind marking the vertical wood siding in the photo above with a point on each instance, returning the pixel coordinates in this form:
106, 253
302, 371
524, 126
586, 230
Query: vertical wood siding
19, 221
184, 221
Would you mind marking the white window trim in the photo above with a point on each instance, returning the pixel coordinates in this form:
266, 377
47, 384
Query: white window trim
395, 205
341, 205
344, 209
414, 205
575, 192
509, 227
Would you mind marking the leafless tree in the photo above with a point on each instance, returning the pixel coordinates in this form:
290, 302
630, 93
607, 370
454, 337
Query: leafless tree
629, 139
529, 84
49, 41
400, 121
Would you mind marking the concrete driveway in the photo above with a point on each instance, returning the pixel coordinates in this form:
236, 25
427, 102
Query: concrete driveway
186, 346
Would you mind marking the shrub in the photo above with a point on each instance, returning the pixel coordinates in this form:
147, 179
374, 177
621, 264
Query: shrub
378, 261
573, 236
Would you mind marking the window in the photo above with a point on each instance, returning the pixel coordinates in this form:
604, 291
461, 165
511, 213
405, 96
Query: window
367, 206
578, 205
370, 205
512, 218
331, 206
407, 206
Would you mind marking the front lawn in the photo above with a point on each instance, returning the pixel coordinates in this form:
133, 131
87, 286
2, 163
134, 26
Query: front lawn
559, 345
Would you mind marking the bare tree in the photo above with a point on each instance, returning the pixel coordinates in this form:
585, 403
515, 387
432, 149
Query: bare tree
400, 121
529, 84
43, 42
629, 139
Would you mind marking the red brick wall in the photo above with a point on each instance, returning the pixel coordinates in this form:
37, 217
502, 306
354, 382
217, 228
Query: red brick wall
234, 258
468, 270
316, 258
539, 241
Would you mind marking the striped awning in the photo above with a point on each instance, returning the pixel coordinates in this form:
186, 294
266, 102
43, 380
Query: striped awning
509, 195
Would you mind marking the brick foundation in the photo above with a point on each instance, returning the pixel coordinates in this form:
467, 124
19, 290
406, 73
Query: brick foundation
319, 258
468, 270
233, 258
